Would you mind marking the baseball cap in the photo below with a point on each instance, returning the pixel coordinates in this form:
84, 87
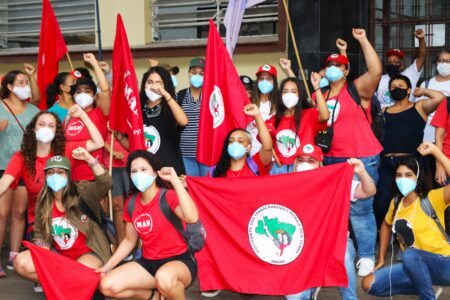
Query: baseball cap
338, 58
57, 161
397, 52
267, 68
311, 150
197, 62
246, 81
83, 81
175, 70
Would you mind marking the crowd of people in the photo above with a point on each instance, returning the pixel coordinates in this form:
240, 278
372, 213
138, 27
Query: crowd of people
54, 181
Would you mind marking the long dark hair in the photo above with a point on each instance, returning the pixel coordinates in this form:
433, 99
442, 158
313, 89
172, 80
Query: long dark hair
53, 89
281, 109
256, 94
9, 78
152, 161
224, 162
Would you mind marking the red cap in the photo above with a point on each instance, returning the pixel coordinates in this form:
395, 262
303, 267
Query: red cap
397, 52
311, 150
76, 74
338, 58
267, 68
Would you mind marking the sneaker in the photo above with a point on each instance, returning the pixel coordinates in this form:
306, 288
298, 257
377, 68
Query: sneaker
210, 294
316, 292
365, 266
438, 292
38, 288
10, 264
2, 273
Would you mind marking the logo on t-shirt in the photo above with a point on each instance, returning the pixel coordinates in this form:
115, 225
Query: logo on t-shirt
287, 142
152, 139
331, 104
387, 99
64, 234
143, 224
216, 107
75, 128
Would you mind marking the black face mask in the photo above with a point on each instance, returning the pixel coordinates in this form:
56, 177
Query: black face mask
398, 94
392, 70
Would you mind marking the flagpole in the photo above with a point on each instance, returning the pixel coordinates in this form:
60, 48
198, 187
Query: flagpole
99, 32
70, 61
294, 42
111, 151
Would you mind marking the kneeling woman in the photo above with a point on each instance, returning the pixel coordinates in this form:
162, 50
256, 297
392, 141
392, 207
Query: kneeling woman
60, 224
166, 264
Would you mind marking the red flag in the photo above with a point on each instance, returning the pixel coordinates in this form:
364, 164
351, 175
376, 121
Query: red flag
61, 277
51, 49
265, 235
125, 115
223, 100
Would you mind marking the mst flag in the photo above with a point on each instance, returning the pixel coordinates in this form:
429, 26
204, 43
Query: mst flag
125, 115
51, 49
223, 100
62, 278
274, 235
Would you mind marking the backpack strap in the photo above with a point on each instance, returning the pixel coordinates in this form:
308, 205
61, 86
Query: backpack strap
427, 82
253, 165
181, 95
355, 96
170, 215
211, 171
426, 206
131, 204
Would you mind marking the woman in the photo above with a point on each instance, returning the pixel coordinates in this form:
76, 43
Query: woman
58, 204
166, 264
404, 125
15, 114
294, 126
59, 98
162, 117
426, 253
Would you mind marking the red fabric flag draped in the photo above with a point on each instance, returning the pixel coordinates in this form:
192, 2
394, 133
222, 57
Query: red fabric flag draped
223, 100
52, 48
125, 115
62, 278
274, 235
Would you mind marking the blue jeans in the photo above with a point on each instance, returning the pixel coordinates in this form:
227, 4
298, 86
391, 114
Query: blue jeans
362, 217
194, 168
348, 293
415, 275
284, 169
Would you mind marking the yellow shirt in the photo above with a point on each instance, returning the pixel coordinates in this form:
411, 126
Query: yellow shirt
423, 233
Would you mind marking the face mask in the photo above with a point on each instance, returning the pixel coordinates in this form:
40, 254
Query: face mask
392, 70
304, 167
398, 94
265, 87
152, 95
290, 100
22, 92
323, 82
174, 81
236, 150
333, 74
443, 69
56, 182
406, 185
196, 81
142, 181
45, 135
84, 100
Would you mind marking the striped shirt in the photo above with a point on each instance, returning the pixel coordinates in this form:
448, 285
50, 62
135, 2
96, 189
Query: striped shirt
189, 135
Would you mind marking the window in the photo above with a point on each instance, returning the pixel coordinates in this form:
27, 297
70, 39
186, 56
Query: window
21, 22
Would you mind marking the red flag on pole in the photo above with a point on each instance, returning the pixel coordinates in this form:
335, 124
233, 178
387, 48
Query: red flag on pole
125, 115
62, 278
266, 236
223, 100
52, 48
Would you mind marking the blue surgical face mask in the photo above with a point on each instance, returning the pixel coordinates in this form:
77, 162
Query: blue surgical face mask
333, 73
174, 81
196, 81
265, 87
236, 150
323, 82
406, 185
142, 181
56, 182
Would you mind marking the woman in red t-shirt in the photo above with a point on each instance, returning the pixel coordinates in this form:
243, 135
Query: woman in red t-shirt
165, 264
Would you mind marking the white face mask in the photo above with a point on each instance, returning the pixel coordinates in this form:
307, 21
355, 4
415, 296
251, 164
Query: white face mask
84, 100
443, 69
152, 95
45, 135
290, 100
304, 167
22, 92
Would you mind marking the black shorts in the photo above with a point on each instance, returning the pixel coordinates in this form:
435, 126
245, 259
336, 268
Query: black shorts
152, 266
21, 183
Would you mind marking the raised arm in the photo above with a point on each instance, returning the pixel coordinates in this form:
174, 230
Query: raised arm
367, 187
324, 113
96, 142
286, 66
177, 111
265, 154
342, 46
427, 106
422, 54
35, 92
104, 97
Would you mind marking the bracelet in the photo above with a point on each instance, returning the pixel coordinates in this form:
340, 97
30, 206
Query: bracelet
94, 163
169, 100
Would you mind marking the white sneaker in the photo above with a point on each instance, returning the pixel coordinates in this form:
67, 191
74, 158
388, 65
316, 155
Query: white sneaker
438, 292
316, 292
210, 294
365, 266
38, 288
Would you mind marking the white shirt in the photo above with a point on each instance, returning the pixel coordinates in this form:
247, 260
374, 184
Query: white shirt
264, 109
383, 94
355, 184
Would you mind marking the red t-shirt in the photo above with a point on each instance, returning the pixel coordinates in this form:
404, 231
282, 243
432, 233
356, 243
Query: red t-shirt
117, 163
246, 171
441, 120
67, 239
286, 142
159, 237
76, 131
